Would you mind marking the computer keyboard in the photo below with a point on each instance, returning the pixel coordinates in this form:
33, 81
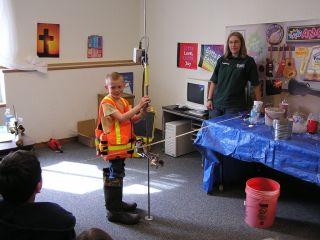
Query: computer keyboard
197, 113
181, 108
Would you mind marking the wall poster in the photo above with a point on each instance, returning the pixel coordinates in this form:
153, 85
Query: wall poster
94, 46
128, 79
187, 55
48, 37
209, 56
287, 55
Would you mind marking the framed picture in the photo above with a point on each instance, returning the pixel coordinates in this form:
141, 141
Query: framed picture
187, 55
209, 56
48, 37
94, 46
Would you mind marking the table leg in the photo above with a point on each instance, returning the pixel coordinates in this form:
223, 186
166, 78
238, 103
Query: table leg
221, 172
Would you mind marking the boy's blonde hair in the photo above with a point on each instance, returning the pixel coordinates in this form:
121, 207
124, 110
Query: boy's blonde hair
113, 77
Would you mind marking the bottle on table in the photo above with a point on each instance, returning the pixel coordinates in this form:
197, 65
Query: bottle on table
7, 118
284, 105
312, 123
254, 115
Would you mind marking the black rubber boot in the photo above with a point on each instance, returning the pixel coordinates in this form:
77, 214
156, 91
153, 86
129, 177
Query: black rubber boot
126, 206
129, 207
113, 200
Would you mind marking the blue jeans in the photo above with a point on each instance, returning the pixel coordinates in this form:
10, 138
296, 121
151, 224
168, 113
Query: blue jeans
217, 111
116, 168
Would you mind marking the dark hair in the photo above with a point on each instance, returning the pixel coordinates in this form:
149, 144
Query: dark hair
94, 234
20, 172
243, 48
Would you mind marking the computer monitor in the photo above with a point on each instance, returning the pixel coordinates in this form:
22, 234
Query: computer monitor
196, 94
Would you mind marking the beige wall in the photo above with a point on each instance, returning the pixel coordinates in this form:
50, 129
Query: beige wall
52, 103
118, 21
204, 21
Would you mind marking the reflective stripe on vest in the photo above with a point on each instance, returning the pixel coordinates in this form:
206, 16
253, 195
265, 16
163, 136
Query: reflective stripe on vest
116, 147
118, 132
116, 122
120, 147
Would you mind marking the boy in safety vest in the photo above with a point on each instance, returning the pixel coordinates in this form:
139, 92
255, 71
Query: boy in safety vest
115, 142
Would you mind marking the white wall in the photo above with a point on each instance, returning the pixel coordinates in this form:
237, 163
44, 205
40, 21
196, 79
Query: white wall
118, 21
51, 104
204, 22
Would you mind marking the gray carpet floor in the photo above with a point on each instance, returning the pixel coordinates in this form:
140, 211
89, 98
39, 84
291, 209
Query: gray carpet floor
180, 208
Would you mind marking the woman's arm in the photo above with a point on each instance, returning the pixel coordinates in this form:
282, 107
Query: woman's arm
210, 96
257, 92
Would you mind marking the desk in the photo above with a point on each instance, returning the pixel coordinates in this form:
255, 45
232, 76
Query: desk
172, 113
6, 147
10, 145
298, 157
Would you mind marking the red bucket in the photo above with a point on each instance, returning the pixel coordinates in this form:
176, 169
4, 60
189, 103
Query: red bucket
261, 202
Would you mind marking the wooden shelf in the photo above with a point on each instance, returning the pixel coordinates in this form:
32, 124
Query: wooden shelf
79, 65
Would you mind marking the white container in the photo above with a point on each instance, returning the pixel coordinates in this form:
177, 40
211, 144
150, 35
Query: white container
258, 105
273, 113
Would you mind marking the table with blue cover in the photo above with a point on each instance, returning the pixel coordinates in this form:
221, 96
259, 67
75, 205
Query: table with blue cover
231, 136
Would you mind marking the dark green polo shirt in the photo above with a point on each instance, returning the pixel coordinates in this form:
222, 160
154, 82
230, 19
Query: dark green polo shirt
230, 77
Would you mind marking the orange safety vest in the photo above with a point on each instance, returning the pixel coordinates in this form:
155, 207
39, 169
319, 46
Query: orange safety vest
119, 143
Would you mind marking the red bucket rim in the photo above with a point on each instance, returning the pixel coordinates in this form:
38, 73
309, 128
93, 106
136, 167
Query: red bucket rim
270, 185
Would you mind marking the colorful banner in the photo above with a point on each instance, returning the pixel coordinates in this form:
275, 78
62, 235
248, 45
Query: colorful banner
187, 55
303, 33
209, 56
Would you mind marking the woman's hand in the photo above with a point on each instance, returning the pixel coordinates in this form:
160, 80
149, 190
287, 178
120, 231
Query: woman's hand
210, 104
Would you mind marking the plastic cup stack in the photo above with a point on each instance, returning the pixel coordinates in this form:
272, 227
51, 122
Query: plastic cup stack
282, 129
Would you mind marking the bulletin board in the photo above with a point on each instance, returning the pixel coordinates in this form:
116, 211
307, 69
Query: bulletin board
287, 55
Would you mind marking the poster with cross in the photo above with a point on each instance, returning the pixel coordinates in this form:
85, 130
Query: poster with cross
48, 40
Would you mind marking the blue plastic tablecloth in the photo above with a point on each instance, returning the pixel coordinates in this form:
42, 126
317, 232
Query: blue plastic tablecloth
230, 135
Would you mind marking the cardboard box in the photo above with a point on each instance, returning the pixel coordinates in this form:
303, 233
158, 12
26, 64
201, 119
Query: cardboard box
86, 132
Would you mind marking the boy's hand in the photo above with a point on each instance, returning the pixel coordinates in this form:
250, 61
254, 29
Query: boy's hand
144, 101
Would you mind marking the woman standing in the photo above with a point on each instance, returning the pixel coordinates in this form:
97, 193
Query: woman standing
229, 80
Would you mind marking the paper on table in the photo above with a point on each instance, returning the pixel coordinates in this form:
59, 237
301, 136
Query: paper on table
6, 137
